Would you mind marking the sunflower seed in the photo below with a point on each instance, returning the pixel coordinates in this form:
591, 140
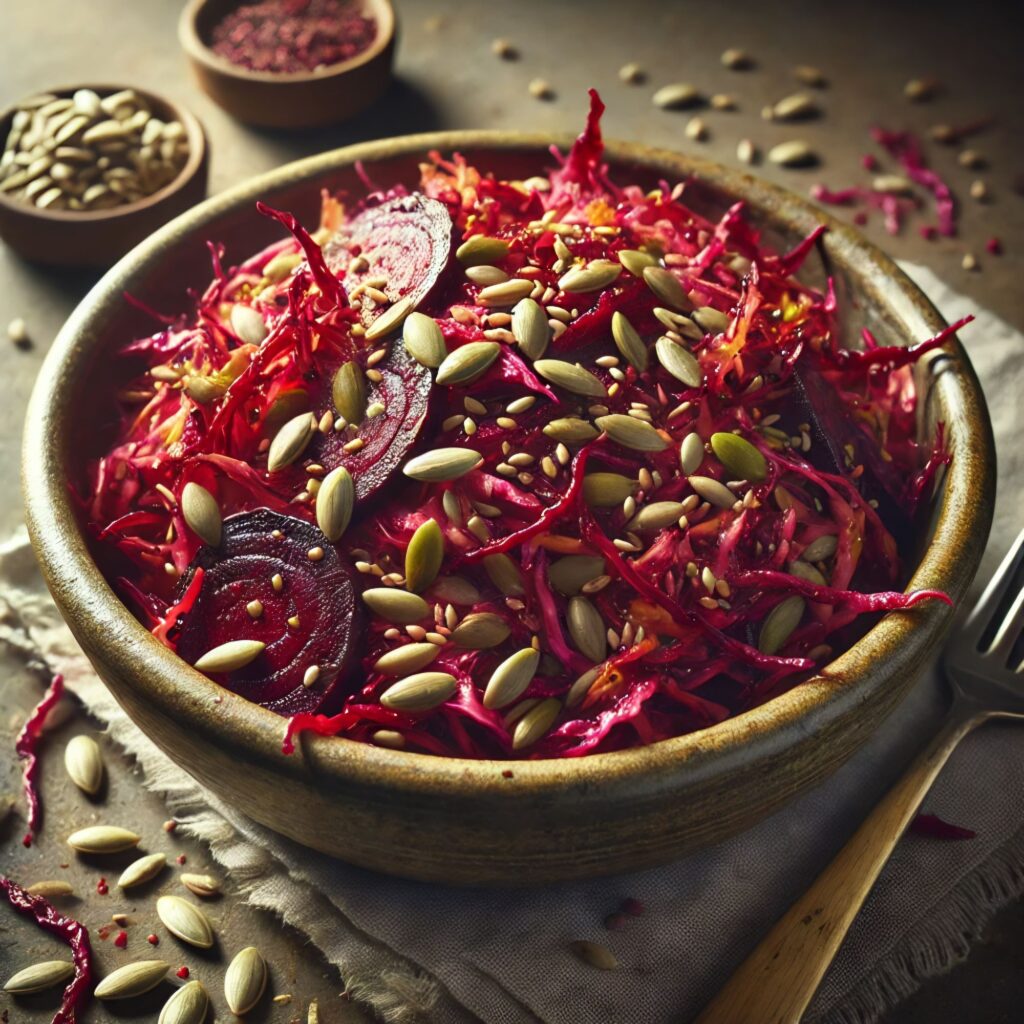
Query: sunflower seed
485, 275
202, 513
481, 249
84, 764
230, 656
571, 377
679, 361
591, 277
793, 108
810, 76
404, 660
189, 1005
511, 678
571, 430
918, 89
595, 954
508, 293
455, 590
779, 624
806, 571
390, 320
710, 320
606, 490
795, 153
535, 724
142, 870
677, 96
691, 453
248, 324
423, 339
51, 888
132, 980
668, 288
636, 261
746, 151
290, 441
505, 574
245, 980
629, 342
587, 628
277, 269
480, 631
739, 456
419, 692
467, 363
40, 977
632, 433
397, 606
102, 839
335, 499
423, 556
203, 886
530, 328
713, 491
656, 516
821, 548
185, 921
696, 129
442, 464
568, 574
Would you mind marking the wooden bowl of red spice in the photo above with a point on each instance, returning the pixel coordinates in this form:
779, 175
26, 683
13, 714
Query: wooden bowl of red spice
290, 64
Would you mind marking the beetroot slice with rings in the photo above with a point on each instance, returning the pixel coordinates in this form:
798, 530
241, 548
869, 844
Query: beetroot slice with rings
256, 547
406, 240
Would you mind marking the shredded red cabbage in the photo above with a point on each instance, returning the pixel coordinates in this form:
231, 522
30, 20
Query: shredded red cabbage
27, 748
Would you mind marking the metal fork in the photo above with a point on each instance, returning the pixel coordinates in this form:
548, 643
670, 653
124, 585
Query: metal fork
984, 663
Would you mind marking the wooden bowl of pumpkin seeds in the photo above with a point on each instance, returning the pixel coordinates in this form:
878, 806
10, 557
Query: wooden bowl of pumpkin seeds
88, 171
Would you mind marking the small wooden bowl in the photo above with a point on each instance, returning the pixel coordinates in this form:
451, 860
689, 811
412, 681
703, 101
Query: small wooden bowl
495, 822
296, 101
98, 238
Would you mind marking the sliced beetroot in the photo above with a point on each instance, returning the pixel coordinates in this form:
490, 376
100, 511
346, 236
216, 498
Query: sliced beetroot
320, 592
406, 240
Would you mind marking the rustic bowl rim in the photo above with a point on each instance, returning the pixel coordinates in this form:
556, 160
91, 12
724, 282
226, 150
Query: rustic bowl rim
97, 615
195, 47
192, 166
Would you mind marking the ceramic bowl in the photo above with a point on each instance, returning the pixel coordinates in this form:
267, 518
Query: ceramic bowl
292, 101
490, 822
96, 238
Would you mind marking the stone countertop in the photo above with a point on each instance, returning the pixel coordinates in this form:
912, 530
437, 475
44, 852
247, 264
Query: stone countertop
447, 77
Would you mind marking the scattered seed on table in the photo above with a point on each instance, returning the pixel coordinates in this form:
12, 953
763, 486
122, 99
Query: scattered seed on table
632, 74
540, 89
746, 151
504, 49
971, 158
979, 191
920, 89
969, 262
737, 60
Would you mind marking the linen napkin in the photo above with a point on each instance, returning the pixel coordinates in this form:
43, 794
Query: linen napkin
418, 952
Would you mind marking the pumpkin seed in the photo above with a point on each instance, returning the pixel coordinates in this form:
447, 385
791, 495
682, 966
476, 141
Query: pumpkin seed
467, 363
390, 320
452, 507
423, 339
51, 888
570, 376
739, 456
606, 490
84, 764
189, 1005
691, 453
676, 96
677, 322
423, 556
202, 513
348, 392
245, 980
481, 249
534, 725
281, 266
591, 277
595, 954
530, 328
821, 548
231, 656
795, 153
779, 624
632, 433
404, 660
142, 870
480, 631
668, 288
511, 678
485, 275
204, 886
568, 574
419, 692
507, 293
248, 324
185, 921
806, 571
335, 499
792, 108
505, 574
680, 362
582, 686
397, 606
290, 441
40, 977
571, 430
656, 516
629, 342
102, 839
714, 491
442, 464
636, 261
587, 628
455, 590
710, 320
132, 980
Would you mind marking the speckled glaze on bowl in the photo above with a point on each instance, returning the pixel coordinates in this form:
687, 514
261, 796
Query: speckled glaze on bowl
490, 822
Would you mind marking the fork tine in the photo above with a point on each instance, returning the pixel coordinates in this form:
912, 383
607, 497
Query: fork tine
1009, 630
982, 615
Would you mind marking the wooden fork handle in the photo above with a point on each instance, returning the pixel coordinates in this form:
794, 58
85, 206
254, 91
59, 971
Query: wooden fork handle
776, 982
